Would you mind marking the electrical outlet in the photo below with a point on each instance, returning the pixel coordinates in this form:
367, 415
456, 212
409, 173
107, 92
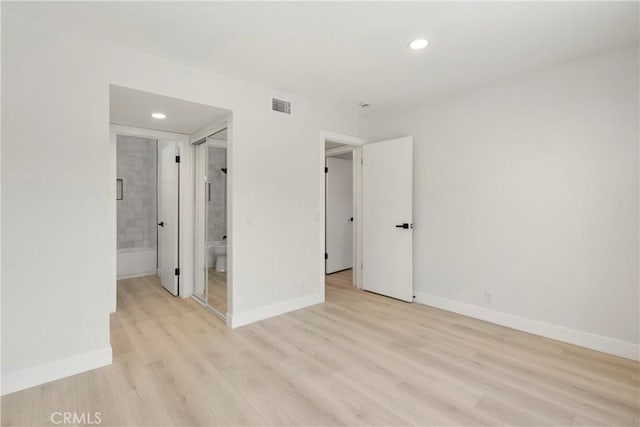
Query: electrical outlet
488, 297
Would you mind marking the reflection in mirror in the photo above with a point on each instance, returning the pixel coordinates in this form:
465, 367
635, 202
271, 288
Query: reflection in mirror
200, 282
216, 227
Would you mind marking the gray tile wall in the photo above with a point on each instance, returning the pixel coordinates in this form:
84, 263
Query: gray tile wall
217, 207
136, 164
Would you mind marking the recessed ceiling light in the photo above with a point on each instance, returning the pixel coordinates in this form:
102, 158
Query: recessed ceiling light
159, 116
418, 44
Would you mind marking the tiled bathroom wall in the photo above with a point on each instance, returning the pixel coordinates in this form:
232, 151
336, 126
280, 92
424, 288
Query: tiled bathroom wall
217, 206
137, 216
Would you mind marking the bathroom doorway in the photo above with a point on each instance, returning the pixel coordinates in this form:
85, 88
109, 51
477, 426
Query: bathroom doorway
211, 220
148, 205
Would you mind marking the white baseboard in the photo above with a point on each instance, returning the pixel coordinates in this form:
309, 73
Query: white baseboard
244, 318
548, 330
19, 380
133, 276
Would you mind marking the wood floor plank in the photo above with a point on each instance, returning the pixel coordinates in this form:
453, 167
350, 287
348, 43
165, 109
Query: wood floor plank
358, 359
217, 290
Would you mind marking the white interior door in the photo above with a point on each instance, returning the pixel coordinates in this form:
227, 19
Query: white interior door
387, 218
168, 181
339, 215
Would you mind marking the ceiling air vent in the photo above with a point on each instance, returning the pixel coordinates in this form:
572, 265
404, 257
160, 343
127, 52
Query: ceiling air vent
281, 106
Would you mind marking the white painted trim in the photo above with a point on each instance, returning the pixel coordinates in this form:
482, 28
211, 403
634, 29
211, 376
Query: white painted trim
19, 380
133, 276
548, 330
111, 296
185, 220
340, 138
244, 318
148, 133
230, 230
357, 215
209, 130
356, 146
338, 150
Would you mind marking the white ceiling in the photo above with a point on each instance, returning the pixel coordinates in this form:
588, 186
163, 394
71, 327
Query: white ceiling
354, 51
131, 107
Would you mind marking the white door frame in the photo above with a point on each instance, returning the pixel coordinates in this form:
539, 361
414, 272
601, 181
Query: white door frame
185, 151
355, 146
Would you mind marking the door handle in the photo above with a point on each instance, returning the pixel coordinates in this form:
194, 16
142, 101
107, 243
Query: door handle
161, 223
404, 225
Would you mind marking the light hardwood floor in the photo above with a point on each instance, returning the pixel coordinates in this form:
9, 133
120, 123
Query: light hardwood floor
217, 290
358, 359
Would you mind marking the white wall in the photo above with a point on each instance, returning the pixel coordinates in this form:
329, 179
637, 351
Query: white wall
58, 265
529, 189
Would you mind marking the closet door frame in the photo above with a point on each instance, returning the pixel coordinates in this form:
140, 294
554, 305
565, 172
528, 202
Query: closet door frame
200, 142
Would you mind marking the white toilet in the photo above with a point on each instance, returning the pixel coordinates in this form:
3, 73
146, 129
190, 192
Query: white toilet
218, 255
221, 263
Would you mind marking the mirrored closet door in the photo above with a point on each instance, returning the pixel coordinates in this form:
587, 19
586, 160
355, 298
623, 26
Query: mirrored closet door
211, 222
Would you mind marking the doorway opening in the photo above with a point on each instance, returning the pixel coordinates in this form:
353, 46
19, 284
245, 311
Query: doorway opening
382, 197
339, 206
152, 172
341, 202
148, 205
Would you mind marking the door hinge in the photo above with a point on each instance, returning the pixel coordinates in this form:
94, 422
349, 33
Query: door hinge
326, 169
326, 255
177, 271
177, 159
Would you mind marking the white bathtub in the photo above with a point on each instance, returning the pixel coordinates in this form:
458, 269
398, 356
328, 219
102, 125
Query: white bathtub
136, 262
